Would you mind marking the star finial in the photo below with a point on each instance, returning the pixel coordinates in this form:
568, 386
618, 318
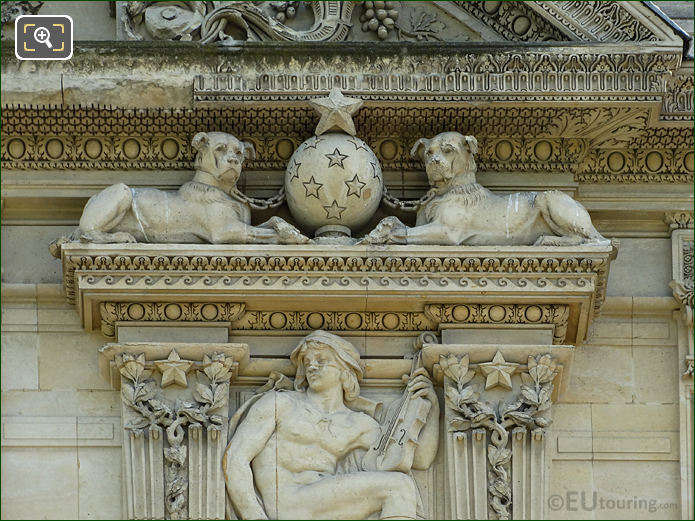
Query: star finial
174, 370
498, 372
336, 112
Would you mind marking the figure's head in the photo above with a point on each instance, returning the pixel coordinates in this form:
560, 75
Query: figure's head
221, 155
324, 360
446, 156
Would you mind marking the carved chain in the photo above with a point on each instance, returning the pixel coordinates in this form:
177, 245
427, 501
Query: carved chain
259, 204
407, 206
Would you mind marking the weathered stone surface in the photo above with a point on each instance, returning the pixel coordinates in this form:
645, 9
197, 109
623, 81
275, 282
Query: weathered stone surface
557, 100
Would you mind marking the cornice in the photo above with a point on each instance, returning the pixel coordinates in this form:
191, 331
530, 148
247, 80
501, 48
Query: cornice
157, 283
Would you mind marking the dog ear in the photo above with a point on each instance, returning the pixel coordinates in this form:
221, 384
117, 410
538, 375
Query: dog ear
418, 147
200, 141
249, 150
471, 143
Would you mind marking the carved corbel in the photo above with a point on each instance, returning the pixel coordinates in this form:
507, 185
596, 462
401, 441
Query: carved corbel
555, 316
681, 226
679, 220
683, 293
166, 312
174, 405
497, 409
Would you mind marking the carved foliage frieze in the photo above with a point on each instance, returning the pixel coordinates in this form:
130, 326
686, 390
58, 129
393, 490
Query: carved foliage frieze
678, 101
608, 21
131, 270
514, 20
597, 144
252, 320
507, 76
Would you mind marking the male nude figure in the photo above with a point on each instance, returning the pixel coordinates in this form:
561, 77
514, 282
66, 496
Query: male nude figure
304, 450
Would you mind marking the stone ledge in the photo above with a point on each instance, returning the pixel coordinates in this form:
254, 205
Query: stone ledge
360, 285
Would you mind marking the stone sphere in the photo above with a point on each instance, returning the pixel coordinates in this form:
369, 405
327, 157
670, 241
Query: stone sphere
333, 179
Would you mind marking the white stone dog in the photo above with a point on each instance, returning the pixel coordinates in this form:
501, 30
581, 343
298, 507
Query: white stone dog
204, 210
464, 212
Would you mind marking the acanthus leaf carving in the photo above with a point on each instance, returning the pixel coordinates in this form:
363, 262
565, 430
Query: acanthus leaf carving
679, 220
683, 293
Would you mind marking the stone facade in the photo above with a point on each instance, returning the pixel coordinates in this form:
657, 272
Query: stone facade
349, 260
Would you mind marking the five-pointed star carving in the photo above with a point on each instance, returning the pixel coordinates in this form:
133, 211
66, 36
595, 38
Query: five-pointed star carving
374, 170
498, 372
358, 143
336, 159
312, 188
334, 211
314, 142
336, 112
296, 166
173, 370
355, 186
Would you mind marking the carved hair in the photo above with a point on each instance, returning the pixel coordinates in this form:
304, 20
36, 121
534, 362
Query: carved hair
345, 354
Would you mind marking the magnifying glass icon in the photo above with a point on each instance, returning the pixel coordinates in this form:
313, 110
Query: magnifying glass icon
43, 35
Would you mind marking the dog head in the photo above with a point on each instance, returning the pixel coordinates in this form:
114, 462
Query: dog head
446, 156
221, 155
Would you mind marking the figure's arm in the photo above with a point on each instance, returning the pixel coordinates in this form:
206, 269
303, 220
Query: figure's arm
248, 441
428, 441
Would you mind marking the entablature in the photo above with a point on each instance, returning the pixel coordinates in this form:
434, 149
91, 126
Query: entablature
347, 288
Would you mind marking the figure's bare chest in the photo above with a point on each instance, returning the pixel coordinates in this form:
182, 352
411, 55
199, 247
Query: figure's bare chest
336, 433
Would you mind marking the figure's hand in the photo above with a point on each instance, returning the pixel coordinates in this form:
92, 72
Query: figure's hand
420, 386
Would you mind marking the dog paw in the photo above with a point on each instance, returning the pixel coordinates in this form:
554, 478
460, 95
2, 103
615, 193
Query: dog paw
123, 237
390, 230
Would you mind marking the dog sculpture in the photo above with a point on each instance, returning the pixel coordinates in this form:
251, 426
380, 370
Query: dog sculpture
463, 212
204, 210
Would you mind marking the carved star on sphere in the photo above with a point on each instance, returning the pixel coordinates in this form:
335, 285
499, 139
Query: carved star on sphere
334, 211
296, 166
355, 186
174, 370
312, 188
336, 112
336, 159
374, 170
498, 372
357, 144
314, 143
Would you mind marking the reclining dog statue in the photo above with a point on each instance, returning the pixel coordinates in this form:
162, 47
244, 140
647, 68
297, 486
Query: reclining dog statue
462, 212
208, 209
